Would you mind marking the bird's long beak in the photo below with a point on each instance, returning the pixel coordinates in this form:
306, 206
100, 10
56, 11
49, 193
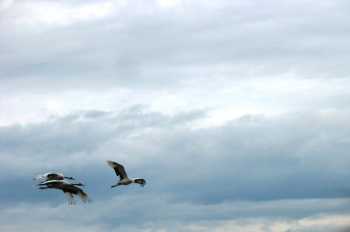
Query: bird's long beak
69, 178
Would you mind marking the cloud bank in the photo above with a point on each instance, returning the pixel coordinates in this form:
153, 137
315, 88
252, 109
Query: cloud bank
235, 112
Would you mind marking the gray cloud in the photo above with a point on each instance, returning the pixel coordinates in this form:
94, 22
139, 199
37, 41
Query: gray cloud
252, 158
251, 39
160, 87
132, 213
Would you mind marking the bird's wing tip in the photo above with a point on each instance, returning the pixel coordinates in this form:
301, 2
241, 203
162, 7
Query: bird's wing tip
110, 163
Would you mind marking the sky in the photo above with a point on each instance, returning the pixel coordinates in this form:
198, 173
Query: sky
235, 112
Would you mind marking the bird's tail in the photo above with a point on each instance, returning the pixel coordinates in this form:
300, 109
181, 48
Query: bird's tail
140, 181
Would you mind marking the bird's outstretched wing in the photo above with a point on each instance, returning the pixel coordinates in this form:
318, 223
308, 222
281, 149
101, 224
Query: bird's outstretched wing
53, 183
49, 176
118, 168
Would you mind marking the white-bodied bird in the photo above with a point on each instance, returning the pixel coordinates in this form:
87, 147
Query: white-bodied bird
123, 177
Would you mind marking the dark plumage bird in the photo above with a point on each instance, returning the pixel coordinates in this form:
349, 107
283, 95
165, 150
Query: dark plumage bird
69, 189
52, 176
123, 177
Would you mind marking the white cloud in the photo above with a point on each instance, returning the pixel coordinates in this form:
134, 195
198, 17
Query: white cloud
5, 4
48, 13
224, 100
169, 3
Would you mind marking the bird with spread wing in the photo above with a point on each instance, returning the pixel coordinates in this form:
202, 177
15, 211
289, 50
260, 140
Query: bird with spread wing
123, 177
69, 189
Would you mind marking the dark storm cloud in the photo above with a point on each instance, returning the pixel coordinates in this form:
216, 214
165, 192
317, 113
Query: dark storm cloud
252, 158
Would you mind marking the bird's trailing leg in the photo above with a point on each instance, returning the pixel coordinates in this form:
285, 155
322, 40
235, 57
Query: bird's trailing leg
115, 185
70, 198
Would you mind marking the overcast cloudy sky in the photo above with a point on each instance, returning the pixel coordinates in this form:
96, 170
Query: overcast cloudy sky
236, 112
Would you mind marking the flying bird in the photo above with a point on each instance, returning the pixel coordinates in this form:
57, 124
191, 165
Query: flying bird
52, 176
123, 177
68, 189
